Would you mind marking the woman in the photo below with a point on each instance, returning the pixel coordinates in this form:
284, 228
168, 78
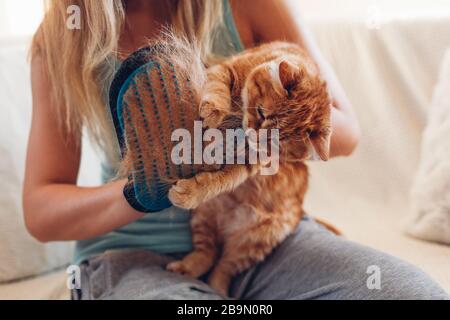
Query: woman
123, 252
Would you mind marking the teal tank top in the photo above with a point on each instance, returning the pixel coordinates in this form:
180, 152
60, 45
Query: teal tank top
167, 231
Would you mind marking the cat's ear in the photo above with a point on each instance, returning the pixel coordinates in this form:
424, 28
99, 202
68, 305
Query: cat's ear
289, 75
320, 146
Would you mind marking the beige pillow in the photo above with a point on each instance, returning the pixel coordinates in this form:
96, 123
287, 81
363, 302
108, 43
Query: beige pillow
430, 195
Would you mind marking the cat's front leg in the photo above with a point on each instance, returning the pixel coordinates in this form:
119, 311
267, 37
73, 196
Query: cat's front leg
216, 98
210, 114
191, 193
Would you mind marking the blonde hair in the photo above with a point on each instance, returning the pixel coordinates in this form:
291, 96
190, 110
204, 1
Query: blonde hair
80, 62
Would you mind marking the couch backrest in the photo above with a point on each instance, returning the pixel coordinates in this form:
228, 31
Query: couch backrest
389, 74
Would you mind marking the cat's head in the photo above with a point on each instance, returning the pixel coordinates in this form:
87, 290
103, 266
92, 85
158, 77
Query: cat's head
289, 95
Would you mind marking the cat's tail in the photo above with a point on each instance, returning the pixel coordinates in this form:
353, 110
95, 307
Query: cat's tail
185, 55
328, 226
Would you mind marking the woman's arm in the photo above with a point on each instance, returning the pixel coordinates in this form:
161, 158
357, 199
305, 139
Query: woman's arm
55, 208
272, 20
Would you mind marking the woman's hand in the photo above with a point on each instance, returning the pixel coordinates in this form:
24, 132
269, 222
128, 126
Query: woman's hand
55, 208
262, 21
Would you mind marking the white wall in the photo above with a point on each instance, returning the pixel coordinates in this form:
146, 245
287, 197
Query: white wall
325, 9
20, 17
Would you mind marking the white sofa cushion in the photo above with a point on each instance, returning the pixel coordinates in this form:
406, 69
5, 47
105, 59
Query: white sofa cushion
430, 196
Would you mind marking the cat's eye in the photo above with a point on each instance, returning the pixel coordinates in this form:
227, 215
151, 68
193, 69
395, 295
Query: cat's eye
261, 112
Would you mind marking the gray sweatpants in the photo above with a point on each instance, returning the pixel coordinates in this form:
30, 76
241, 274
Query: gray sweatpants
311, 264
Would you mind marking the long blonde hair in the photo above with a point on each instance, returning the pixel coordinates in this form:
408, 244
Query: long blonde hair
80, 62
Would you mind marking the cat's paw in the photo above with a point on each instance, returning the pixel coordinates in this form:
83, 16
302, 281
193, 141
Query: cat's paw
212, 117
185, 194
182, 268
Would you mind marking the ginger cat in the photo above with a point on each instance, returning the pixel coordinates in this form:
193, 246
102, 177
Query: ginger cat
240, 216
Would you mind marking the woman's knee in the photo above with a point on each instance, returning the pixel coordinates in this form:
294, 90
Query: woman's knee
394, 279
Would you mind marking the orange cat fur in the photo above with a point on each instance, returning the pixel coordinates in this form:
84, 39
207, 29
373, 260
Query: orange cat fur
240, 216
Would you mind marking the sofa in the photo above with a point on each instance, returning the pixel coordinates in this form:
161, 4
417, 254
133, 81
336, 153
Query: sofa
389, 72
